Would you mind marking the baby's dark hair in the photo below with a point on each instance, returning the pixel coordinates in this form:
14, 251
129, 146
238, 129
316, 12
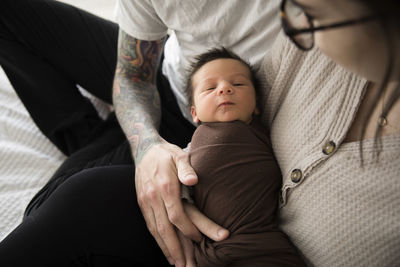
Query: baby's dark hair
219, 53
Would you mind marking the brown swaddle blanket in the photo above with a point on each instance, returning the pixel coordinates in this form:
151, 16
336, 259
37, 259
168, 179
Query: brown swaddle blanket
238, 188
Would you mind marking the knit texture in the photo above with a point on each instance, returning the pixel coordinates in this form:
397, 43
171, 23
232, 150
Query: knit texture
340, 213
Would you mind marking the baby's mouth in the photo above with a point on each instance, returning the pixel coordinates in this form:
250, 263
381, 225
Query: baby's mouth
225, 104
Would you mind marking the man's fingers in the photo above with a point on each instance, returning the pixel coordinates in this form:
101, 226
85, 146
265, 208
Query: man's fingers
167, 233
164, 249
187, 249
158, 191
150, 219
160, 242
204, 224
186, 174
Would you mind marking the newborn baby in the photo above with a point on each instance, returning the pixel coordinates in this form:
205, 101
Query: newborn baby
239, 179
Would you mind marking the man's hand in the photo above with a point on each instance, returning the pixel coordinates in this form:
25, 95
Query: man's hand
188, 249
158, 191
159, 165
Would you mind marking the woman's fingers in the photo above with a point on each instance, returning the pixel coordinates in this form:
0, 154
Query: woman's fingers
204, 224
178, 217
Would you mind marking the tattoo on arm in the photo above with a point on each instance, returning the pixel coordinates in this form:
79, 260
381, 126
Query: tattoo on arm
135, 96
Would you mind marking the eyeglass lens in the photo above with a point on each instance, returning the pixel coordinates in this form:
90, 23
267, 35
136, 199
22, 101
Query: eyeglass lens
297, 19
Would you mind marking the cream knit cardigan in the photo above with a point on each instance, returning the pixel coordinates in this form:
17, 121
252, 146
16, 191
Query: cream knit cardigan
340, 213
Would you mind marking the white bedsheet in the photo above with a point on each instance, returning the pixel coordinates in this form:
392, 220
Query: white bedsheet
27, 158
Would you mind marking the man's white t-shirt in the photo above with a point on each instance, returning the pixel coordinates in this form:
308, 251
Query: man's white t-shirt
248, 28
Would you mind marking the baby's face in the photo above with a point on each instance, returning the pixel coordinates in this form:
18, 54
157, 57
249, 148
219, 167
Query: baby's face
223, 91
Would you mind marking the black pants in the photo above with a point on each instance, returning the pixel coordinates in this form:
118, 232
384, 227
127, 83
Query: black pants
87, 214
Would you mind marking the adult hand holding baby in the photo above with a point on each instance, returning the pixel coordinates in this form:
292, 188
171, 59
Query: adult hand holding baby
158, 177
204, 225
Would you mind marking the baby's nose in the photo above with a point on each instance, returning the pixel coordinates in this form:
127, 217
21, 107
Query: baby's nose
225, 88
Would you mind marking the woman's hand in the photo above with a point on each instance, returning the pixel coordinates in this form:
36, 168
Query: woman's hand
157, 179
205, 225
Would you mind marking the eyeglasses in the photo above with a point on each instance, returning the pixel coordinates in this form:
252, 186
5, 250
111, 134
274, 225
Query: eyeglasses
300, 28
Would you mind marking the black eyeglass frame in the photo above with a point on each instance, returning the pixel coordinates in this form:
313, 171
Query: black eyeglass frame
290, 32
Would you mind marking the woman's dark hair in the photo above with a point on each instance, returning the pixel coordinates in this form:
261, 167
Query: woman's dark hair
386, 9
219, 53
387, 12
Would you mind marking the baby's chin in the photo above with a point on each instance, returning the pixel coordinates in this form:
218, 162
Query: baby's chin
230, 119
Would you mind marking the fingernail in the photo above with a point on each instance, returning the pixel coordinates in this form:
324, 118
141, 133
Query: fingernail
180, 263
171, 262
221, 233
190, 177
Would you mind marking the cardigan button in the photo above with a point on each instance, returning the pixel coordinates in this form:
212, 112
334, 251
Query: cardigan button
296, 175
328, 148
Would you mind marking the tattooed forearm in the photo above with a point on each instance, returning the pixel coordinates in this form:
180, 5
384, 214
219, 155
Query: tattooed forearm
137, 59
135, 95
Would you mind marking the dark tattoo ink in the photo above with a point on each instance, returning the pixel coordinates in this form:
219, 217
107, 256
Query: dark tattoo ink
135, 96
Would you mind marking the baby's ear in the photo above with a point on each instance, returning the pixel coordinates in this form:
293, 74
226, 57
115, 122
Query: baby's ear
194, 114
